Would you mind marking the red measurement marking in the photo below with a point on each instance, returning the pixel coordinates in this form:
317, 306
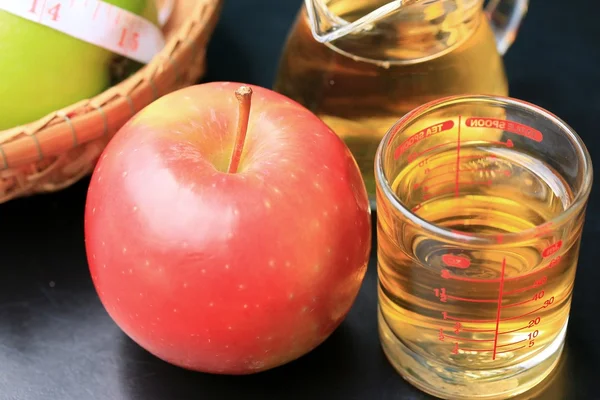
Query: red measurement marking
491, 156
518, 304
488, 182
524, 289
510, 344
422, 134
477, 350
457, 327
416, 208
456, 187
453, 190
540, 281
543, 229
469, 340
446, 274
554, 261
509, 143
514, 330
511, 350
499, 238
437, 184
501, 287
437, 176
413, 156
456, 261
509, 126
441, 294
470, 300
551, 264
448, 164
423, 162
442, 192
524, 315
451, 318
553, 248
429, 177
478, 330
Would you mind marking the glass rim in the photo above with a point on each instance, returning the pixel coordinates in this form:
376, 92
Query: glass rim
579, 200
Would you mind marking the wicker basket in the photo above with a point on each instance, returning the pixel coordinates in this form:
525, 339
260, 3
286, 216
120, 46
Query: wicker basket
56, 151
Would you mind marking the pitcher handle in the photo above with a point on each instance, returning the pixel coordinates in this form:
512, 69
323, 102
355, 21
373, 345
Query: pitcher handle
506, 17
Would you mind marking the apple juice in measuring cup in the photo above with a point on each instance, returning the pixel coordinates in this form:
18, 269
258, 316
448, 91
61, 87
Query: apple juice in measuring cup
480, 215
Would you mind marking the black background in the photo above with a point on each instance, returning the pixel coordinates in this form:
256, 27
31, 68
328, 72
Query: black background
57, 342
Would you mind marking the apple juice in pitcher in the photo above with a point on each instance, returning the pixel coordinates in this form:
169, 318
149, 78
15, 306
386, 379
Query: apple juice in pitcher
361, 64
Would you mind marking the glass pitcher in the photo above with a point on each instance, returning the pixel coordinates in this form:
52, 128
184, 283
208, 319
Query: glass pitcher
361, 64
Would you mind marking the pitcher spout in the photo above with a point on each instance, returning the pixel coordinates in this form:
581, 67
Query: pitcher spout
326, 26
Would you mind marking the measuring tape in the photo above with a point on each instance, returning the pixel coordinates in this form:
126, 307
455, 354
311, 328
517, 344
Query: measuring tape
96, 22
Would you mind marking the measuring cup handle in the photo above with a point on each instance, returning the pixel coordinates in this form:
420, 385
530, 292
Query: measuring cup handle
506, 17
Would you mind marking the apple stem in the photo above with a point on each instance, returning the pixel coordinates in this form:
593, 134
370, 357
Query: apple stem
244, 98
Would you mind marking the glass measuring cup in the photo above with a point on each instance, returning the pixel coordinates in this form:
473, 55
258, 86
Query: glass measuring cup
358, 64
481, 202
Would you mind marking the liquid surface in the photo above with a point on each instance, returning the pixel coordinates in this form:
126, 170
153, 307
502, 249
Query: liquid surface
360, 85
477, 314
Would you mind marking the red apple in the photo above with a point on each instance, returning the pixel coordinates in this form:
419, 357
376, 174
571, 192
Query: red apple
224, 236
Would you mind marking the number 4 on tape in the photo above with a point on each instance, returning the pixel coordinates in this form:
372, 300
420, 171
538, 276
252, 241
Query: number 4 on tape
95, 22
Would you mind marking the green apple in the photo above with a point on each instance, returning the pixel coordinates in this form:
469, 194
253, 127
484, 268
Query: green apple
42, 70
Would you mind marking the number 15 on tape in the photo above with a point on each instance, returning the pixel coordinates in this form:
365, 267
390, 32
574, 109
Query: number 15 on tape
95, 22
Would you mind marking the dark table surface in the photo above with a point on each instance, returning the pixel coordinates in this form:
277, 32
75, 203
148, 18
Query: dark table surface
58, 343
